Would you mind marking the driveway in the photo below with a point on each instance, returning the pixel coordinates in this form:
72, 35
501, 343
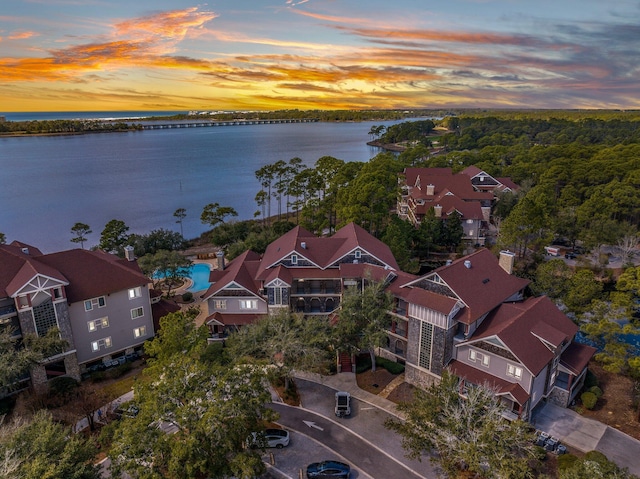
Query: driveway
587, 435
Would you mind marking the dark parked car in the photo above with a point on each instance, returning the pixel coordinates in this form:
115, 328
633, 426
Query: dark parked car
570, 255
328, 470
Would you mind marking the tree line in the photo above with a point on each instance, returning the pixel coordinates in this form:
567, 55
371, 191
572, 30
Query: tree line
63, 126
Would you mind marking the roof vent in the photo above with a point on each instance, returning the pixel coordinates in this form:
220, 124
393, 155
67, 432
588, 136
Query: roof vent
303, 245
485, 281
467, 264
25, 250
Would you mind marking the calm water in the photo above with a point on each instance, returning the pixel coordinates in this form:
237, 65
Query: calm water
49, 183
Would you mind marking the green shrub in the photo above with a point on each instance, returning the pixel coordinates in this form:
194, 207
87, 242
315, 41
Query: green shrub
566, 461
596, 456
119, 371
363, 363
98, 376
62, 386
186, 297
215, 354
590, 380
596, 390
391, 366
589, 400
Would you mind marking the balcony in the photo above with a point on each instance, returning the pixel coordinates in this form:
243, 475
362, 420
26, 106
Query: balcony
317, 305
316, 287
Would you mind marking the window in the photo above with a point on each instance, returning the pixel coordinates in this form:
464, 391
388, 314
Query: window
57, 293
294, 259
101, 343
137, 312
23, 301
358, 254
426, 340
95, 303
248, 304
102, 323
277, 295
475, 356
135, 292
514, 371
220, 304
139, 332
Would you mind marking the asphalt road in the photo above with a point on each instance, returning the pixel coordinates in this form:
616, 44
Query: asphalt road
360, 440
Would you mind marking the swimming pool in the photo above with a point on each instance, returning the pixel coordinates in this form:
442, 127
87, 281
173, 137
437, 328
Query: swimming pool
199, 274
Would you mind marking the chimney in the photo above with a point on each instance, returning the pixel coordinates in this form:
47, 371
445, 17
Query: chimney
303, 245
467, 264
128, 253
25, 250
430, 189
220, 256
438, 211
507, 260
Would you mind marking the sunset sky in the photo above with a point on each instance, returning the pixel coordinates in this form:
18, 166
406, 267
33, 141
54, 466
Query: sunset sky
84, 55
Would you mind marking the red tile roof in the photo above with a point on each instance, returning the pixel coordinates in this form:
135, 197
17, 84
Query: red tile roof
94, 273
230, 319
576, 357
480, 378
18, 268
86, 274
242, 270
324, 252
522, 328
483, 286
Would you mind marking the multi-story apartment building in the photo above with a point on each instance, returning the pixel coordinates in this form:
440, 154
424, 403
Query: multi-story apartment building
470, 317
99, 302
469, 193
298, 271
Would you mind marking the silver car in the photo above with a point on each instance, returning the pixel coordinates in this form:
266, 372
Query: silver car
277, 438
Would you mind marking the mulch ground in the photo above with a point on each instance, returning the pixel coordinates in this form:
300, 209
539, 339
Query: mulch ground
616, 406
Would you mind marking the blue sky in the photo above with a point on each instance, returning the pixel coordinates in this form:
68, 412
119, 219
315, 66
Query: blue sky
318, 54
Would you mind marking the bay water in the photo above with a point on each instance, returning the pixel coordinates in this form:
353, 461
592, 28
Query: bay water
48, 183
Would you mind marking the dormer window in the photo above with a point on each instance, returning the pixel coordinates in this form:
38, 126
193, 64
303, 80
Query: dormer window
294, 259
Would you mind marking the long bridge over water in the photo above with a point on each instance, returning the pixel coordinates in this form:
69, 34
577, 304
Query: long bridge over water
209, 123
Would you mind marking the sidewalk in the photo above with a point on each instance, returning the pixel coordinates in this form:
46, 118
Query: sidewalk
347, 382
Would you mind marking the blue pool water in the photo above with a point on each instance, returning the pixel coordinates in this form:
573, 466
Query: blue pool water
200, 277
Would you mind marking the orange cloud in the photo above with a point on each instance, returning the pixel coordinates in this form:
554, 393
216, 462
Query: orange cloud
21, 35
167, 25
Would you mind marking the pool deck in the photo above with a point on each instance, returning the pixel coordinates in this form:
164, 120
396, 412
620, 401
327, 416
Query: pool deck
198, 303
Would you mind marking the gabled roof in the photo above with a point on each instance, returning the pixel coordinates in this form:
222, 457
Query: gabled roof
443, 181
18, 268
576, 357
325, 252
530, 330
481, 378
241, 270
94, 273
482, 286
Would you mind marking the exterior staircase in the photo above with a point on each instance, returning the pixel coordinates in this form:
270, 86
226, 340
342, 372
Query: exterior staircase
344, 360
